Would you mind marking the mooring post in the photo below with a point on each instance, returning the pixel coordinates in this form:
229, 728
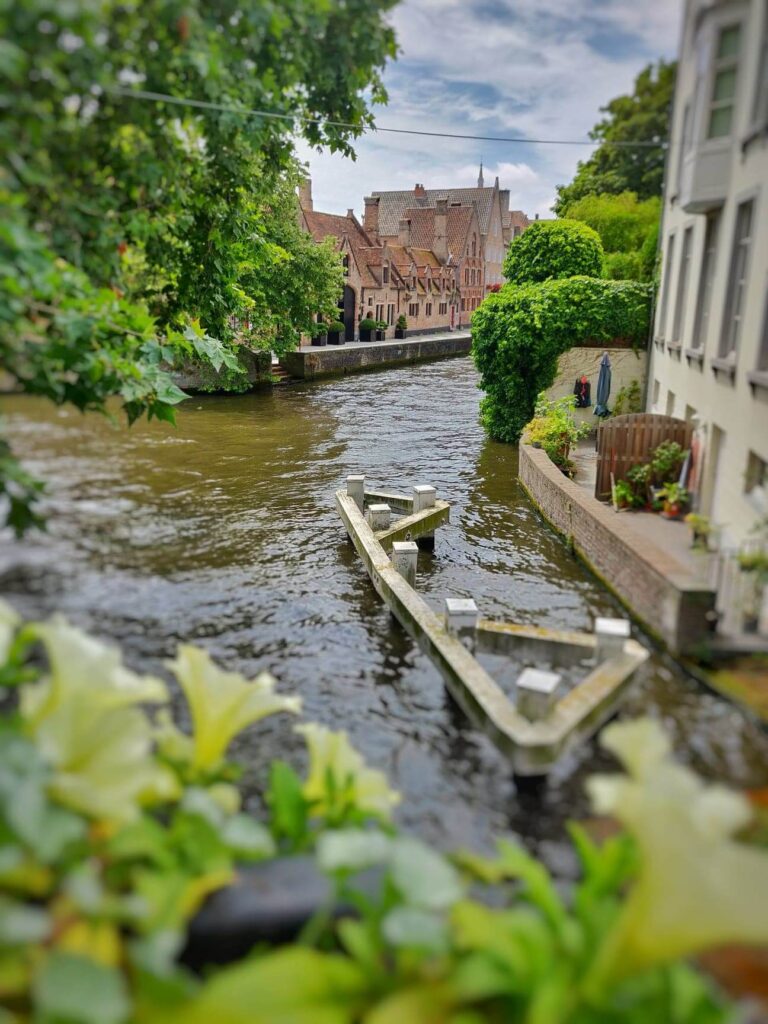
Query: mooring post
461, 617
611, 635
404, 557
378, 517
537, 692
356, 490
424, 497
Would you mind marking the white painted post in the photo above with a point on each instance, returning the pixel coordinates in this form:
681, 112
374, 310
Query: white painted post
356, 490
404, 557
378, 517
611, 635
424, 497
536, 692
461, 617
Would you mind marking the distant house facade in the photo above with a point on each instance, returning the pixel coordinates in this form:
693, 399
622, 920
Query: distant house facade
385, 280
710, 352
496, 224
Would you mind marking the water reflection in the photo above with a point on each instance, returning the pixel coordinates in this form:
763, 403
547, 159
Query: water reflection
223, 532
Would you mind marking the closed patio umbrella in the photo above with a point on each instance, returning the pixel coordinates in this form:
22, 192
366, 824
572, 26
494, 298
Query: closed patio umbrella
603, 387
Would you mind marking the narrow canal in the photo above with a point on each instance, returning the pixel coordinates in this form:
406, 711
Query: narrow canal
223, 532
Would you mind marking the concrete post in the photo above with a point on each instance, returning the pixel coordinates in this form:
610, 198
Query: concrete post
404, 556
378, 517
356, 490
424, 497
536, 693
611, 635
461, 617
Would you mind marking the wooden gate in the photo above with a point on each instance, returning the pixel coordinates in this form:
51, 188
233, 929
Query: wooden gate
627, 441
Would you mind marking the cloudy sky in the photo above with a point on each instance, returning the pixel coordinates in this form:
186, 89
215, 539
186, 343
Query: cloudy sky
525, 68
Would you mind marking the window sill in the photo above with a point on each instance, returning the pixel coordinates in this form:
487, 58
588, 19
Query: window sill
758, 379
674, 347
694, 355
659, 343
725, 367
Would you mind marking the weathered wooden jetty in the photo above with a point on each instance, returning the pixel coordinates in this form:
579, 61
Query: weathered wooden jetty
542, 721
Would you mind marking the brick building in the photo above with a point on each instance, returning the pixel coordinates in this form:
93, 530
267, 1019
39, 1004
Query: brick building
385, 280
496, 225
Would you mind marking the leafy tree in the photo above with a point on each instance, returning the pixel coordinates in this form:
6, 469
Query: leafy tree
554, 249
642, 116
134, 228
624, 224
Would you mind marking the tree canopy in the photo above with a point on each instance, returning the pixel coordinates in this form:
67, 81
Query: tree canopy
138, 228
643, 117
628, 228
551, 249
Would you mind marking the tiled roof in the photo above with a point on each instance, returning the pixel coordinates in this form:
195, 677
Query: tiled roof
458, 224
393, 205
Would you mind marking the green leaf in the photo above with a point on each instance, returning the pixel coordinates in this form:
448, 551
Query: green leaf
292, 986
423, 877
75, 989
286, 801
415, 928
352, 849
247, 838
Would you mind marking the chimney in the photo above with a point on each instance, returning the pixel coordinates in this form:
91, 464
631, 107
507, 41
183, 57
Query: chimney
440, 243
305, 194
537, 216
350, 213
404, 232
371, 216
420, 192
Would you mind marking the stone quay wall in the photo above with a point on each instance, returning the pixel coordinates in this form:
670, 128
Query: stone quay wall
654, 588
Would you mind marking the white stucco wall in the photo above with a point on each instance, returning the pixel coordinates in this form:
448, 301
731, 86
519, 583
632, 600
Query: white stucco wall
626, 366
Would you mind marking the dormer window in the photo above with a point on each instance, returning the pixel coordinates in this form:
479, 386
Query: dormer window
385, 274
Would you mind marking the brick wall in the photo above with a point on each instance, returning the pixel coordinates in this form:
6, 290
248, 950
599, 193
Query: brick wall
646, 580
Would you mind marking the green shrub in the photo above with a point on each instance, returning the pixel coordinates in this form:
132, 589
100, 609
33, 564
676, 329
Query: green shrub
336, 327
368, 324
402, 323
623, 266
554, 249
621, 220
555, 430
629, 399
666, 462
519, 332
649, 253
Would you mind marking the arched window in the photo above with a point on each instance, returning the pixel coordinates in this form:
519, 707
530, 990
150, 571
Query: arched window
474, 245
385, 274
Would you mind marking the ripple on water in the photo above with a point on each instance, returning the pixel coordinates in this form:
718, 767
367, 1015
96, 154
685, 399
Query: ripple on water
223, 532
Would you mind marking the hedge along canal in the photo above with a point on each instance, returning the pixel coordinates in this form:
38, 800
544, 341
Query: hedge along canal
223, 532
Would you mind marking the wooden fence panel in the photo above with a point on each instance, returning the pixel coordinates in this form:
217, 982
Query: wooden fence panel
627, 441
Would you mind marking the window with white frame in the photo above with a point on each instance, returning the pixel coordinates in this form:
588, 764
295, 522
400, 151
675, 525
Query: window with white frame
762, 356
724, 81
760, 102
737, 280
682, 285
706, 280
667, 285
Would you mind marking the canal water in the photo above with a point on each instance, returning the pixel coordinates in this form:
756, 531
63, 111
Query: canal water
223, 532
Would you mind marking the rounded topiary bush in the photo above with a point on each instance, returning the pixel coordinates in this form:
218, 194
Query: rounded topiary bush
552, 249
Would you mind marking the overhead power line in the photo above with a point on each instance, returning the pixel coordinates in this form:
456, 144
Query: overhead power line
183, 101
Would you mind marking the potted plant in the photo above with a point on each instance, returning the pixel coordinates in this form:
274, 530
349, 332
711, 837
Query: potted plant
336, 333
381, 329
319, 334
675, 497
367, 327
401, 327
701, 530
623, 494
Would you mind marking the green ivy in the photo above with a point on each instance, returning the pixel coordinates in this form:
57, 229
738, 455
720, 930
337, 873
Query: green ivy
554, 249
518, 333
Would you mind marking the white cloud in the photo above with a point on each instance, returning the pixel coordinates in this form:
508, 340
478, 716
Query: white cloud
539, 69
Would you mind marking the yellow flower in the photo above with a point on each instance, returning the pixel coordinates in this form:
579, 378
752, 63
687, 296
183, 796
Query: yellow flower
223, 703
81, 716
336, 770
697, 888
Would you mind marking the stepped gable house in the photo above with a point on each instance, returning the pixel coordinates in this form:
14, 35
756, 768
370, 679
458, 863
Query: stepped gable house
497, 224
383, 280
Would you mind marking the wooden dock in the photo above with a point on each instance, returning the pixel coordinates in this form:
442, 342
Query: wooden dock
542, 723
